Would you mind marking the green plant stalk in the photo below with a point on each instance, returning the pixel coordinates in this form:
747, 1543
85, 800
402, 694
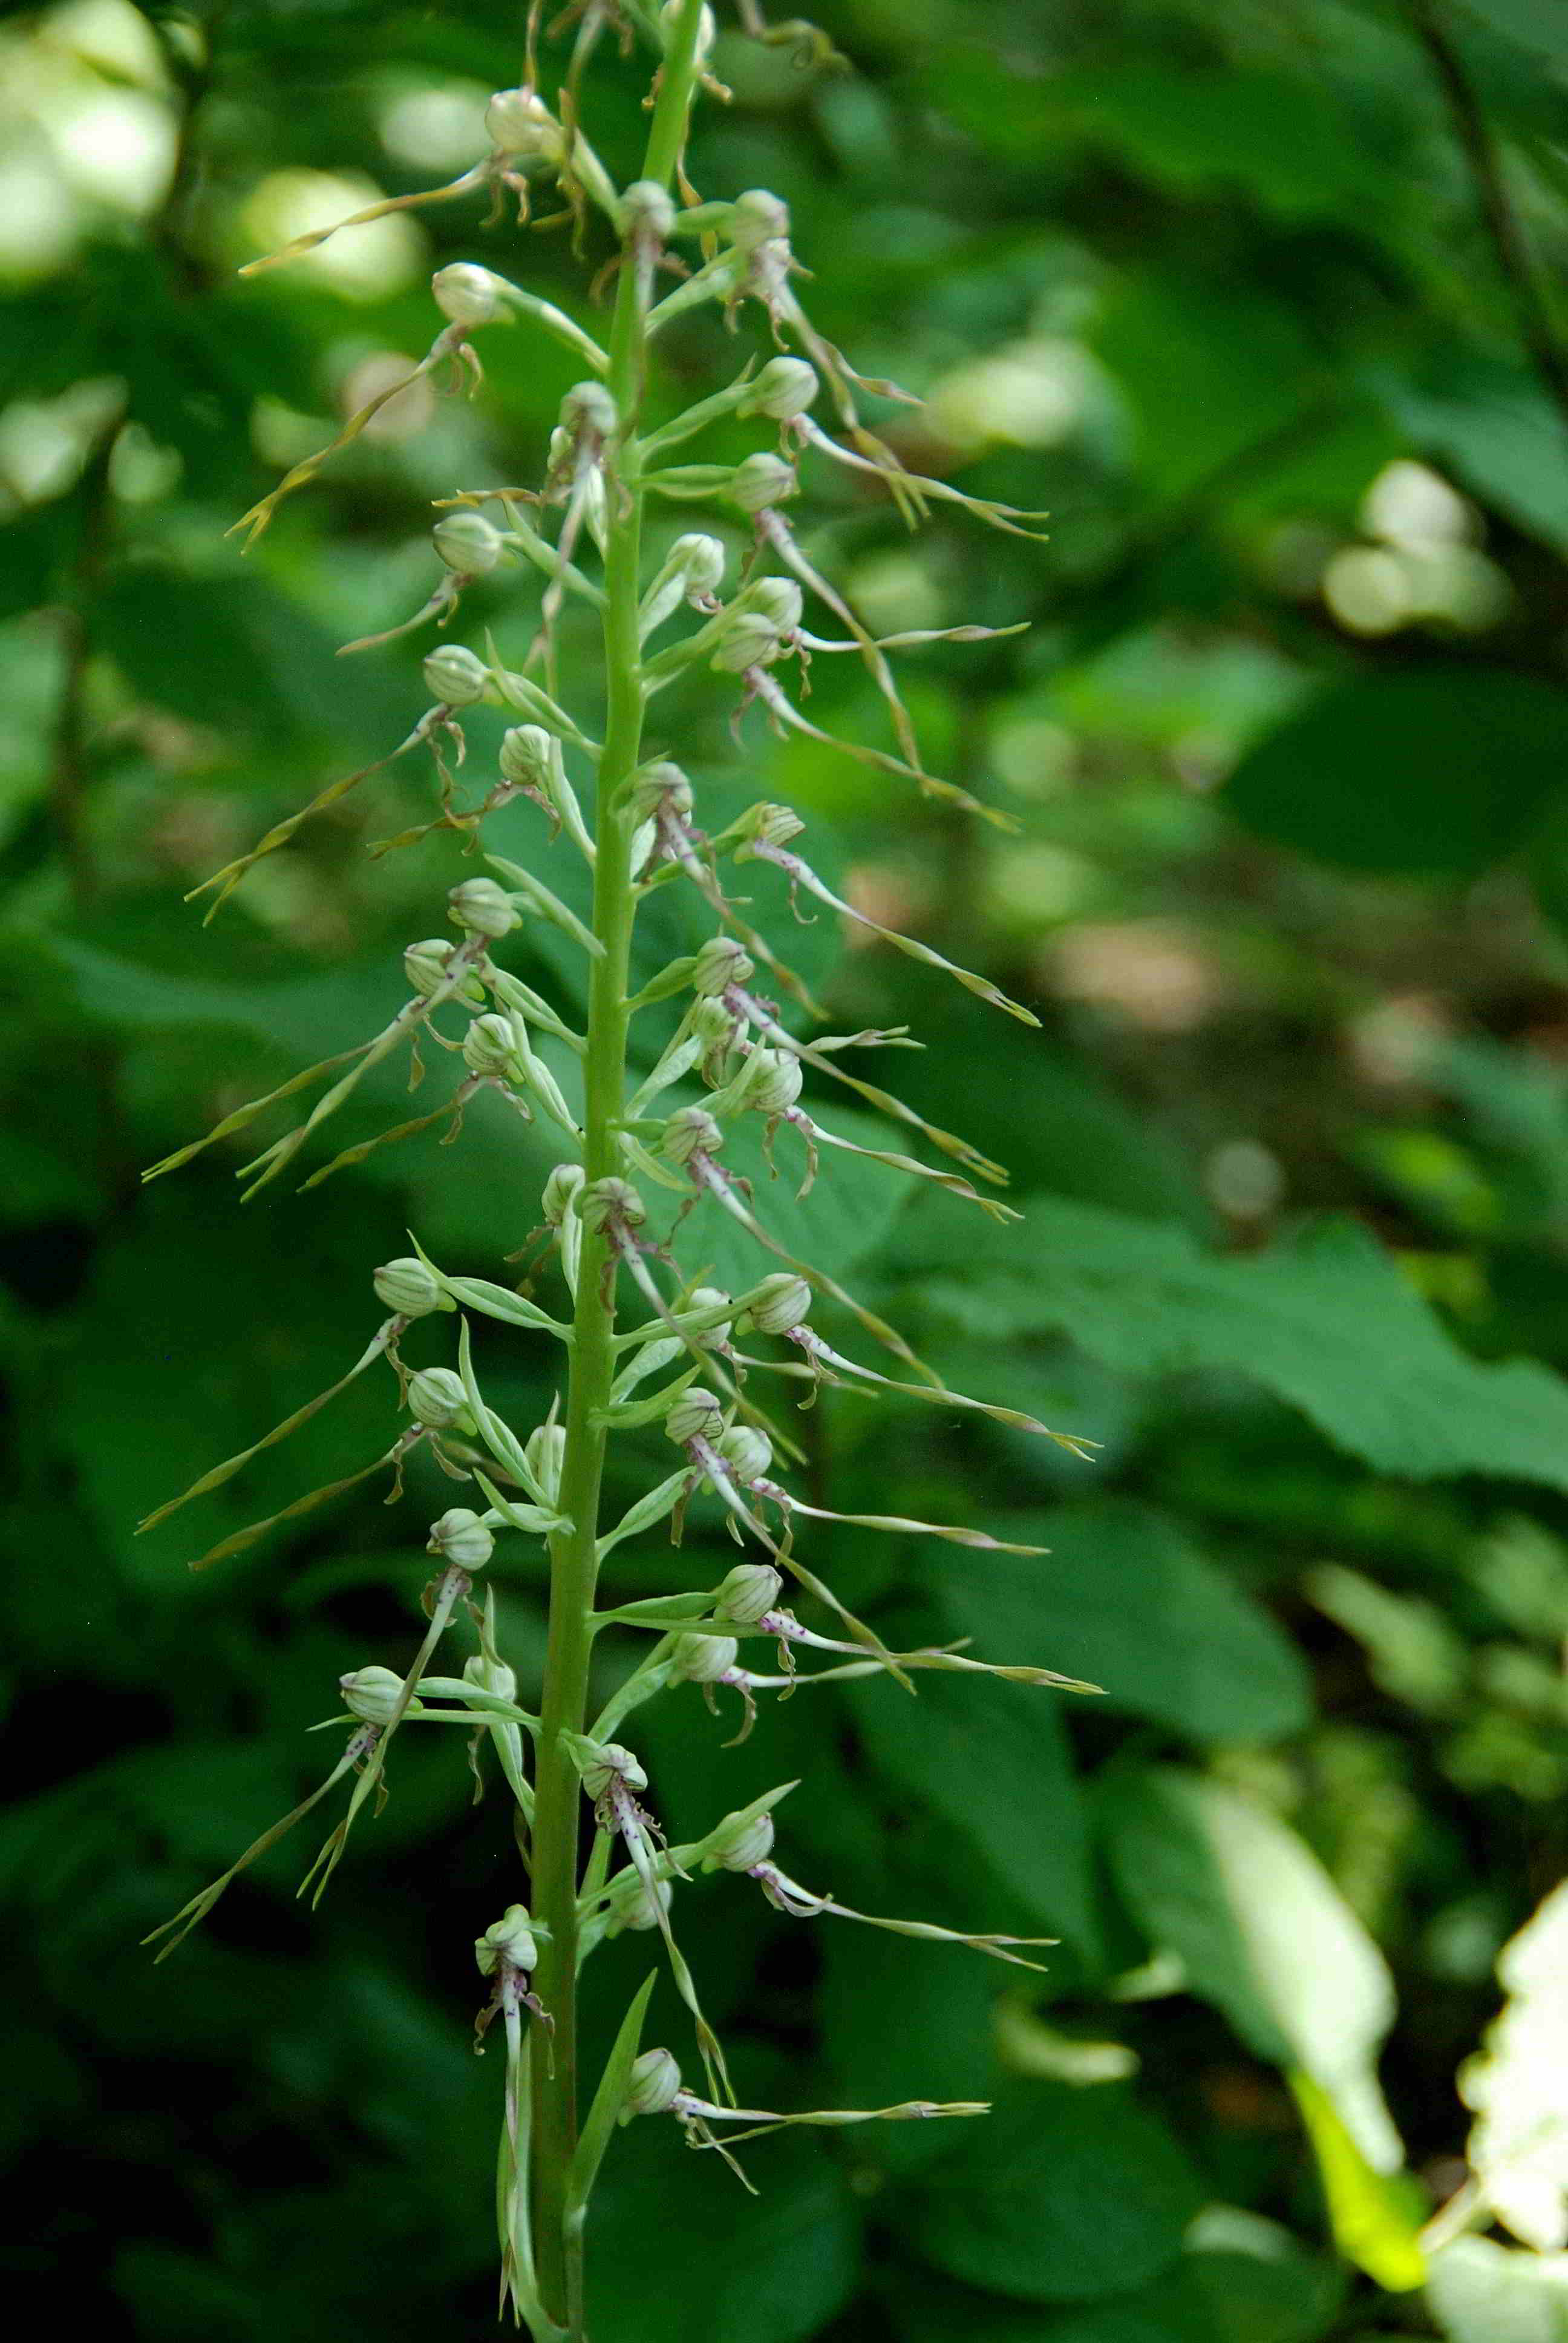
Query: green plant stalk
574, 1562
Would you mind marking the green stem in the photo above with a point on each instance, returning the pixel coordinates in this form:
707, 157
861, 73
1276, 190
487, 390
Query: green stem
574, 1557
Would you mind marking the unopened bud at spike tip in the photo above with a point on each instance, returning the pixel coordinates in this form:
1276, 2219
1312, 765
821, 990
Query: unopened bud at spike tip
748, 1594
468, 295
461, 1537
371, 1693
467, 543
780, 1303
703, 1659
740, 1841
507, 1942
652, 2086
483, 907
455, 676
436, 1400
410, 1288
720, 963
697, 1415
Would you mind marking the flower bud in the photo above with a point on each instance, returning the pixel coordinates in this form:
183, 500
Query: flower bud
785, 389
782, 1303
525, 756
642, 1910
653, 2084
703, 1659
482, 906
426, 965
748, 1452
564, 1185
780, 601
611, 1200
695, 1415
763, 480
658, 788
774, 1080
507, 1942
752, 1589
691, 1131
701, 559
371, 1694
521, 125
491, 1675
489, 1047
436, 1400
646, 209
546, 1450
608, 1763
467, 543
408, 1287
771, 825
707, 1297
587, 410
740, 1841
455, 677
720, 963
758, 217
715, 1022
461, 1537
749, 641
468, 295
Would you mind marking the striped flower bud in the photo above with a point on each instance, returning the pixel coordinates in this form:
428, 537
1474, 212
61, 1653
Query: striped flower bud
691, 1131
461, 1537
525, 756
490, 1676
482, 906
774, 1080
509, 1943
782, 1303
546, 1450
720, 963
701, 561
428, 964
467, 294
436, 1400
455, 677
408, 1287
758, 217
763, 482
696, 1414
562, 1188
703, 1659
605, 1763
785, 389
604, 1200
748, 1452
489, 1047
642, 1909
750, 1590
371, 1694
652, 2086
467, 543
750, 641
522, 127
646, 209
660, 787
741, 1840
769, 825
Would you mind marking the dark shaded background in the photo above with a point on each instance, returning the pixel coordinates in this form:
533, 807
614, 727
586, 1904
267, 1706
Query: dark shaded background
1255, 300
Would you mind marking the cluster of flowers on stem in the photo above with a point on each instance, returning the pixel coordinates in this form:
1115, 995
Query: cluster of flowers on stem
694, 1358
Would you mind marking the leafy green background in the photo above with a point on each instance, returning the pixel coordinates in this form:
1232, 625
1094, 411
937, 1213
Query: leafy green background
1290, 891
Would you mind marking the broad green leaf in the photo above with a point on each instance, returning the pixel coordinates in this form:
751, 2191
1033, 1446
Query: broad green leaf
1440, 770
1515, 2084
1147, 1300
1065, 2195
1123, 1598
1485, 2293
678, 2252
992, 1760
1261, 1931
